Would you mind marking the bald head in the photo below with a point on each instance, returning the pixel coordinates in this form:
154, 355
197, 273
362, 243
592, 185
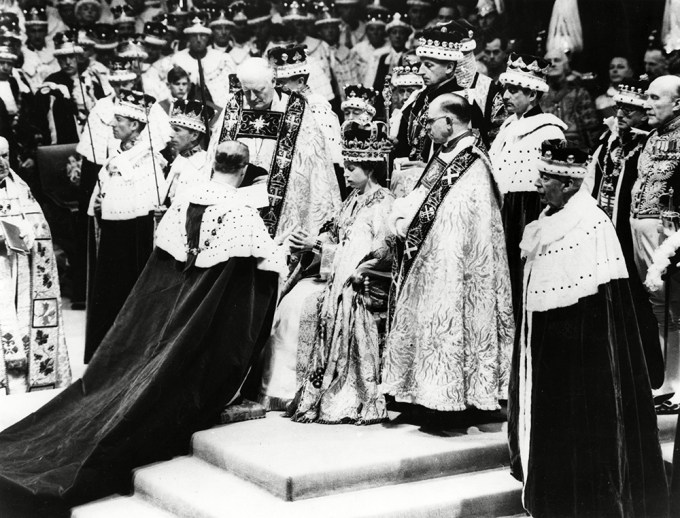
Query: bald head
257, 78
4, 148
663, 102
447, 116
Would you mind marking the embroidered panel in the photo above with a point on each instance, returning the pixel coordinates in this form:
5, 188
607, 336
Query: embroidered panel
260, 124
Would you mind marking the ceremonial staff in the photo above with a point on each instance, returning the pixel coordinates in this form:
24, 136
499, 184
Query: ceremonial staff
387, 101
87, 118
201, 80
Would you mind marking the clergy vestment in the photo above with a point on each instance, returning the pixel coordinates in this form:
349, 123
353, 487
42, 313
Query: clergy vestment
451, 330
177, 354
33, 353
582, 428
286, 142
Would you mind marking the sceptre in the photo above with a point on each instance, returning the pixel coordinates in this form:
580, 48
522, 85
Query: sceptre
387, 101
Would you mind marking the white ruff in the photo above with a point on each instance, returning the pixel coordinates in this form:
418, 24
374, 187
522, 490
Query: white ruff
515, 151
239, 230
569, 255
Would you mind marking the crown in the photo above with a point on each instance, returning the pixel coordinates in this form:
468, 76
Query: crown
363, 141
131, 49
237, 12
191, 114
407, 75
220, 18
446, 42
634, 94
359, 96
560, 160
105, 36
35, 16
8, 53
134, 105
198, 25
526, 71
120, 71
325, 15
294, 11
65, 44
123, 13
155, 33
258, 11
399, 20
377, 18
9, 25
289, 61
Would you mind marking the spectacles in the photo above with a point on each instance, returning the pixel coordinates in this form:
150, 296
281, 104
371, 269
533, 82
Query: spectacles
426, 121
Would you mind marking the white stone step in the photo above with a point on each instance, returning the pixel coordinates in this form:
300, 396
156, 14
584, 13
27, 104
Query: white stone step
295, 461
190, 487
118, 507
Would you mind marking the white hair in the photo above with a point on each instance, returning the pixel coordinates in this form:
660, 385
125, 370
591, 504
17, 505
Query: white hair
254, 70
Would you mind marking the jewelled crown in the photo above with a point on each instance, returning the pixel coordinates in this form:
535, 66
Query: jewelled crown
65, 44
634, 94
35, 16
220, 18
289, 61
446, 42
363, 141
237, 13
377, 18
120, 71
407, 75
191, 114
359, 96
560, 160
134, 105
526, 71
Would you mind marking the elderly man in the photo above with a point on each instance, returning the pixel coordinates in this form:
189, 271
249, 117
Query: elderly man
570, 103
189, 120
33, 353
614, 170
206, 66
583, 434
131, 186
656, 189
285, 141
515, 151
452, 328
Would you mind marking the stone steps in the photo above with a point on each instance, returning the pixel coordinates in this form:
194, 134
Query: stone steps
273, 467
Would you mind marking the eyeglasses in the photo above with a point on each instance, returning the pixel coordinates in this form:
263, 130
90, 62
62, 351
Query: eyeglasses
426, 121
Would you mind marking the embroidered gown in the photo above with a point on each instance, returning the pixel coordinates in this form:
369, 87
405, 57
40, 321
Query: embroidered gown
452, 328
33, 352
342, 370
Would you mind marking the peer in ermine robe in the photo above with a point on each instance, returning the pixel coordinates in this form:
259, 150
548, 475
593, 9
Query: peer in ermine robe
582, 428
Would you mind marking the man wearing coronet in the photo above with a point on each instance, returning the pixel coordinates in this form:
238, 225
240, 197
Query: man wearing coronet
581, 423
187, 119
515, 151
130, 188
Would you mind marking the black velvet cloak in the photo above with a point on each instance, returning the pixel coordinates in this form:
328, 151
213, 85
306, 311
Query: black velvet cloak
594, 439
177, 353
